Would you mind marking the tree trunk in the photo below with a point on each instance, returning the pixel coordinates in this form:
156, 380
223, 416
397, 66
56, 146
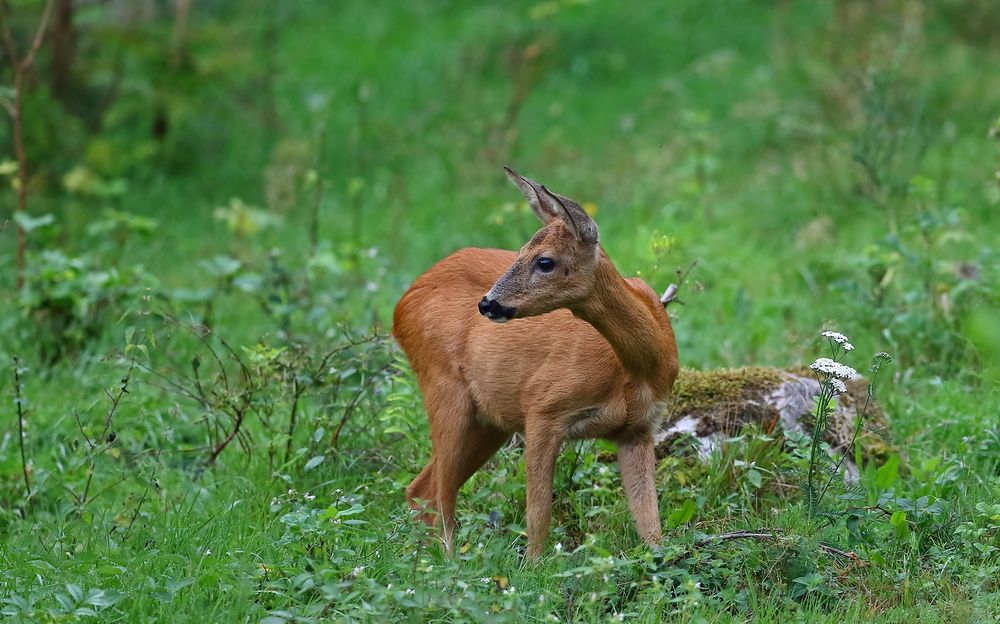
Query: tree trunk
63, 35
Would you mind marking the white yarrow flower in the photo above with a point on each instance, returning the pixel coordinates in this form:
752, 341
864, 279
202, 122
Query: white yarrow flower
831, 368
839, 387
837, 337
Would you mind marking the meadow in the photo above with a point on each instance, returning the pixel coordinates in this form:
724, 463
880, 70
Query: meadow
204, 417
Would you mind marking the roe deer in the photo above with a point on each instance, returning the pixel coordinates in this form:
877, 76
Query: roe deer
573, 351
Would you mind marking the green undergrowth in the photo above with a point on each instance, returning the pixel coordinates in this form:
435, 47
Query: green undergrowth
205, 419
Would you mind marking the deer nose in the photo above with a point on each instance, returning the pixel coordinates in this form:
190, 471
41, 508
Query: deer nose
493, 310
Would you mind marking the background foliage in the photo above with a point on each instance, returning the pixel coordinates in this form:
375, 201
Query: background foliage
225, 200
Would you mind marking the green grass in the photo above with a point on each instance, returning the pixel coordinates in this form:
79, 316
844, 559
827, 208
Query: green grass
732, 133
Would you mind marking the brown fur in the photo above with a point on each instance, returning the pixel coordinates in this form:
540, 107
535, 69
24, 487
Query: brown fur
593, 357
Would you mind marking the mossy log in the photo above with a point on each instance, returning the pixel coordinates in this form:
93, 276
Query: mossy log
713, 405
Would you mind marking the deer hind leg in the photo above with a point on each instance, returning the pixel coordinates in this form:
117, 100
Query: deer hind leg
637, 463
480, 444
541, 448
460, 445
420, 494
460, 450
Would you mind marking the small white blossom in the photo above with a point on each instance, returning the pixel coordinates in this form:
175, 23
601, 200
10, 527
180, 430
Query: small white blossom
831, 368
410, 592
308, 496
839, 387
485, 579
509, 591
837, 337
558, 546
848, 346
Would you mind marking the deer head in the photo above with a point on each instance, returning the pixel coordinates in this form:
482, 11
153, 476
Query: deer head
556, 268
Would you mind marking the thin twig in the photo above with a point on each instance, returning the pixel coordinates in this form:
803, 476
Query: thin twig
296, 394
115, 401
145, 493
670, 294
79, 424
19, 403
354, 402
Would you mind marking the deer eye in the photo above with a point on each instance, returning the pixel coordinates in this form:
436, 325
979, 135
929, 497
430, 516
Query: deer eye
545, 265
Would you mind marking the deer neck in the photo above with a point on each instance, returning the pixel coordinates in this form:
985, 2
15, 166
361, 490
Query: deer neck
625, 316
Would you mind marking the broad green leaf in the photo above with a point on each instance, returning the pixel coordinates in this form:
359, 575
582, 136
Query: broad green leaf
683, 514
30, 224
899, 525
888, 473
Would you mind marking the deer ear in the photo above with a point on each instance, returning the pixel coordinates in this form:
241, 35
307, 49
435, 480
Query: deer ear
573, 216
532, 191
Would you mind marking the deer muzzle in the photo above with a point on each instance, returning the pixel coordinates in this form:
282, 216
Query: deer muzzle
493, 310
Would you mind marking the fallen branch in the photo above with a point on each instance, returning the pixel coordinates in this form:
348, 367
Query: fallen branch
773, 535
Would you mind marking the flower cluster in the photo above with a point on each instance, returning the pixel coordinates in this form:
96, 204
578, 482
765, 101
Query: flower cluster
839, 338
831, 368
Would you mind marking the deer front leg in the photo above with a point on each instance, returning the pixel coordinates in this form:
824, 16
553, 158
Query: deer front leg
637, 463
541, 447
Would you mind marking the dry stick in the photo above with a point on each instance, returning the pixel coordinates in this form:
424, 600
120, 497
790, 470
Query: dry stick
354, 402
145, 493
21, 68
670, 294
771, 535
238, 416
79, 424
19, 402
296, 395
115, 400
